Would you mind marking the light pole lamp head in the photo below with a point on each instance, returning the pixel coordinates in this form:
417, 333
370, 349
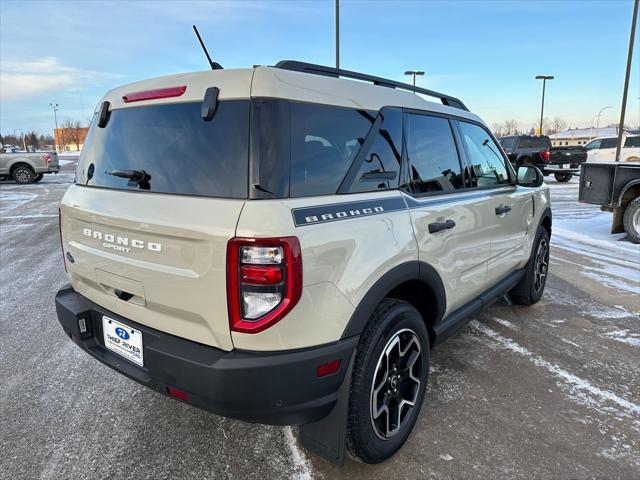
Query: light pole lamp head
544, 77
414, 72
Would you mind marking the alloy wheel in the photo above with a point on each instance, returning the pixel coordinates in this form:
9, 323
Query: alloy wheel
396, 383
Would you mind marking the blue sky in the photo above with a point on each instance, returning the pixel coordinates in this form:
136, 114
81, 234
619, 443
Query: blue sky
486, 53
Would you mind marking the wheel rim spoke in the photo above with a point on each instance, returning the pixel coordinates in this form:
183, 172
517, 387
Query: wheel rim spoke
396, 383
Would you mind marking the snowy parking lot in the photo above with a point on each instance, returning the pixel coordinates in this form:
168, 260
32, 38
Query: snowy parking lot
549, 391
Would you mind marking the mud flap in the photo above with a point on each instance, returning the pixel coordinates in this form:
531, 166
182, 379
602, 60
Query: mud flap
616, 223
327, 437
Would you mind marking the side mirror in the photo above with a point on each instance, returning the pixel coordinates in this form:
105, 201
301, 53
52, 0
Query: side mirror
529, 176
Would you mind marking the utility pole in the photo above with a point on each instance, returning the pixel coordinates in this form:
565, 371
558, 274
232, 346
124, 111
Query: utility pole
337, 33
55, 119
414, 73
626, 79
544, 79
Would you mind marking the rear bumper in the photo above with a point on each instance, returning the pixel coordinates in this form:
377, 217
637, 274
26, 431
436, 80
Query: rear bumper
573, 168
278, 388
48, 169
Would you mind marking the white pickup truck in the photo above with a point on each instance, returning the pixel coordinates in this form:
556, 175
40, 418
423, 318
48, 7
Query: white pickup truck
27, 167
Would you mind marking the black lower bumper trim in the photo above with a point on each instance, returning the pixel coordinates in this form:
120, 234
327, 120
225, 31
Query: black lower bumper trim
278, 388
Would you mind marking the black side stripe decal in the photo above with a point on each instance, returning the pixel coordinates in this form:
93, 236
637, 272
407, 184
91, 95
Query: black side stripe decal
343, 211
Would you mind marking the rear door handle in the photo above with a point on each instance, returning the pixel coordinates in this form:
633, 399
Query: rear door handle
502, 210
439, 226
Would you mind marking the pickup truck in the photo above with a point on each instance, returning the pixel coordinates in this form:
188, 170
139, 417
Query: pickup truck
616, 188
25, 167
562, 162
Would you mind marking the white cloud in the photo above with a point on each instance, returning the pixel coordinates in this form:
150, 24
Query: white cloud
19, 80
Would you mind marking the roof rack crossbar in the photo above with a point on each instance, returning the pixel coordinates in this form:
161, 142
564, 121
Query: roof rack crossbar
314, 69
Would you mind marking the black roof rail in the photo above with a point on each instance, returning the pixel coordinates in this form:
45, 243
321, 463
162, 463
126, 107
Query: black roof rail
314, 69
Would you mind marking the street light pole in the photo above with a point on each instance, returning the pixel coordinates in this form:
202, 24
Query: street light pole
337, 33
598, 121
55, 119
414, 73
544, 79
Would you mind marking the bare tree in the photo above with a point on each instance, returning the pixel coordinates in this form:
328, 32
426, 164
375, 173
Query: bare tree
511, 127
497, 129
72, 132
556, 125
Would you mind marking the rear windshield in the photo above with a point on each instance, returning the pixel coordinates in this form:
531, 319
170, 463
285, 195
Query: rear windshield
170, 149
508, 143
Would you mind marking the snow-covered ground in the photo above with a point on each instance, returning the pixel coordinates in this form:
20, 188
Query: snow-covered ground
585, 229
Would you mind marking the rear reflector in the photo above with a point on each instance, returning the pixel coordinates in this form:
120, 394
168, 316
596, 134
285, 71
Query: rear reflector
177, 393
328, 368
154, 94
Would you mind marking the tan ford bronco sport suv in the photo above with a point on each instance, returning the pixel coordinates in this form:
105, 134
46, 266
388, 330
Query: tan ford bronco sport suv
285, 245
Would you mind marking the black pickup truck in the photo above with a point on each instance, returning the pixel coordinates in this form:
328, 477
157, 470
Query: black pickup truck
615, 186
563, 162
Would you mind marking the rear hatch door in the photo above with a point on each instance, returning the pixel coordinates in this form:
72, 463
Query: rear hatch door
157, 196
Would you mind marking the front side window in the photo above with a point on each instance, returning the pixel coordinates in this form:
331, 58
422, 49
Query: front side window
488, 167
324, 143
434, 165
593, 145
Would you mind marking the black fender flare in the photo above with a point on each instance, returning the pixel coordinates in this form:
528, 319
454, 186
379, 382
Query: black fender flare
405, 272
546, 214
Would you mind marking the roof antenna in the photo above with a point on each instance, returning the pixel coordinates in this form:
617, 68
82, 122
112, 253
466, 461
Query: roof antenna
214, 65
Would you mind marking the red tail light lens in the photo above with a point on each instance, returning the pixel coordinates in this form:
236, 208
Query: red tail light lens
177, 393
328, 368
264, 281
545, 155
154, 94
61, 244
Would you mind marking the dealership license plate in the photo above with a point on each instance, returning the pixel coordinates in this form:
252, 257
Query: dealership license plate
123, 340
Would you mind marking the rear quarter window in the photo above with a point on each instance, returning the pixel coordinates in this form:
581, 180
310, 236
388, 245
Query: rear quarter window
178, 151
324, 143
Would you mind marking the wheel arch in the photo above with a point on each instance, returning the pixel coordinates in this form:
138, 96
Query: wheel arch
415, 282
20, 162
630, 191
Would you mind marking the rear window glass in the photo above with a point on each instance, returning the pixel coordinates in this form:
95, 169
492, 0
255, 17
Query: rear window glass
508, 143
324, 142
434, 165
632, 142
170, 149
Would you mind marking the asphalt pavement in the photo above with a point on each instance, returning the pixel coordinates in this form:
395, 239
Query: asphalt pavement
550, 391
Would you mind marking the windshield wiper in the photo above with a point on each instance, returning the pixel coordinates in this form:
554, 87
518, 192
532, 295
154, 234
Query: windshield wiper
137, 178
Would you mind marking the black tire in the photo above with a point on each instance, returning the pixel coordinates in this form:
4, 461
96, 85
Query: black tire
38, 177
531, 287
23, 174
393, 323
631, 220
563, 177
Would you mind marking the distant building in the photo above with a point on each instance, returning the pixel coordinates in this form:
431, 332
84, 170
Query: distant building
581, 136
69, 139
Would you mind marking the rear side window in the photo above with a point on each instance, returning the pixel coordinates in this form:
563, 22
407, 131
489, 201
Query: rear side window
609, 143
380, 167
170, 149
434, 165
324, 143
488, 167
632, 142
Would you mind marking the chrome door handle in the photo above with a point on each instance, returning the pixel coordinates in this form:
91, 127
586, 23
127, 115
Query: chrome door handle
502, 210
439, 226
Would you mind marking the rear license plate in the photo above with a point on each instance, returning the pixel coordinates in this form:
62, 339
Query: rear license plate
566, 165
123, 340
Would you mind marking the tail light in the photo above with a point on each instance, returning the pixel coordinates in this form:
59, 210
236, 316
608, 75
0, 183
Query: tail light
545, 155
264, 281
60, 231
47, 158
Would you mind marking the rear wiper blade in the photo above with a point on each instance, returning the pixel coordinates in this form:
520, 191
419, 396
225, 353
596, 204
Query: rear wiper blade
132, 174
137, 178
